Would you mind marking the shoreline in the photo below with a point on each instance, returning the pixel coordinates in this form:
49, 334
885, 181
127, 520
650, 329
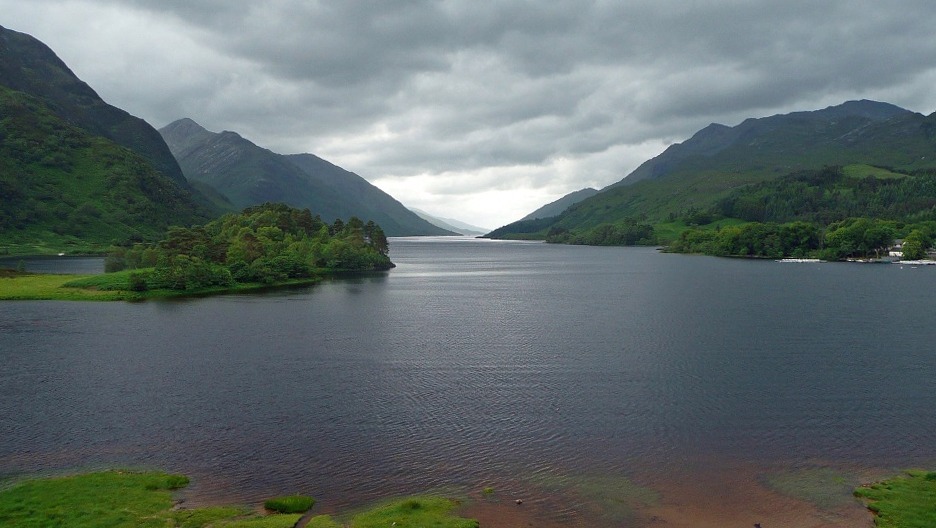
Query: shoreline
734, 495
693, 502
26, 286
734, 506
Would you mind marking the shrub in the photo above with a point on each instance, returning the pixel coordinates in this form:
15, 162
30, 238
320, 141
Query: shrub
289, 504
137, 282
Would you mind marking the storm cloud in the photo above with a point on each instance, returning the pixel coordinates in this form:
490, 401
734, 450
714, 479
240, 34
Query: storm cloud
484, 111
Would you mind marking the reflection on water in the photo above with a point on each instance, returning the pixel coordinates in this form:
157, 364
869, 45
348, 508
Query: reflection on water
56, 265
604, 386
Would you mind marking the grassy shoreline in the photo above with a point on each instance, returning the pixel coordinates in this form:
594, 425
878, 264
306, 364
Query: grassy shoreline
18, 286
148, 499
906, 501
151, 499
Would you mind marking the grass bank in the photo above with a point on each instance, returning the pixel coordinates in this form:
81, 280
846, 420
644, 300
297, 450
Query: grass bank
907, 501
127, 499
35, 286
119, 499
109, 287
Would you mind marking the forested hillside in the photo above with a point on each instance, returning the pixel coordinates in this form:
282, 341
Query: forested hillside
63, 189
833, 213
77, 174
692, 176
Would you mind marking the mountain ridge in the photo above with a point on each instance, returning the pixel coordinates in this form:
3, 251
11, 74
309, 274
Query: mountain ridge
691, 175
555, 208
77, 174
450, 224
28, 65
716, 138
248, 175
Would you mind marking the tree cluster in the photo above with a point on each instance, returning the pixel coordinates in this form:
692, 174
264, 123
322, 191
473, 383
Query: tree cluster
849, 238
268, 243
628, 232
829, 195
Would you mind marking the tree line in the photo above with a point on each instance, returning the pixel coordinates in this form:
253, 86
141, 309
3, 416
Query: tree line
849, 238
822, 213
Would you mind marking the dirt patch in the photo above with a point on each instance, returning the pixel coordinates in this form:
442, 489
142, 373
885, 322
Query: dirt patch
737, 496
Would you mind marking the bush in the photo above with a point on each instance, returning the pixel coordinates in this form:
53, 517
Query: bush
289, 504
137, 282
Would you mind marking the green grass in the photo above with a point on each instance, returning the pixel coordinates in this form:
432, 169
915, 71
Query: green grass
119, 499
30, 286
204, 516
108, 287
417, 512
322, 521
868, 171
129, 499
289, 504
907, 501
270, 521
107, 499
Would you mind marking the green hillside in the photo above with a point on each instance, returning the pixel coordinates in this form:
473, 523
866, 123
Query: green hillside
66, 190
693, 176
27, 65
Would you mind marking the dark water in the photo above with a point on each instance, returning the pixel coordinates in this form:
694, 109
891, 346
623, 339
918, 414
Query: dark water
66, 265
477, 363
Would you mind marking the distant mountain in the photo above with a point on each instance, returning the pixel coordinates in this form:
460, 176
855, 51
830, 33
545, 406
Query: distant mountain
77, 174
27, 65
247, 174
556, 208
693, 175
451, 224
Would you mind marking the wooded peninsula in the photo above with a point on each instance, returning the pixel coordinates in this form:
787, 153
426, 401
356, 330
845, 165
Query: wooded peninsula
263, 246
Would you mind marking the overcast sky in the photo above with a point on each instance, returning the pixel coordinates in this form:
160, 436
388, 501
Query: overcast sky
485, 110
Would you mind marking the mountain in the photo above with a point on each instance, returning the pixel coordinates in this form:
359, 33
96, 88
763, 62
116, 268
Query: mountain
77, 174
247, 174
27, 65
784, 142
451, 224
556, 208
718, 159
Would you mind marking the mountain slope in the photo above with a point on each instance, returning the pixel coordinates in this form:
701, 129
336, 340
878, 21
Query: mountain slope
451, 224
77, 174
27, 65
250, 175
694, 174
785, 142
64, 189
557, 207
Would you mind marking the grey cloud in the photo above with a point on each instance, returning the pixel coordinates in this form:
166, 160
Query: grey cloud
402, 88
